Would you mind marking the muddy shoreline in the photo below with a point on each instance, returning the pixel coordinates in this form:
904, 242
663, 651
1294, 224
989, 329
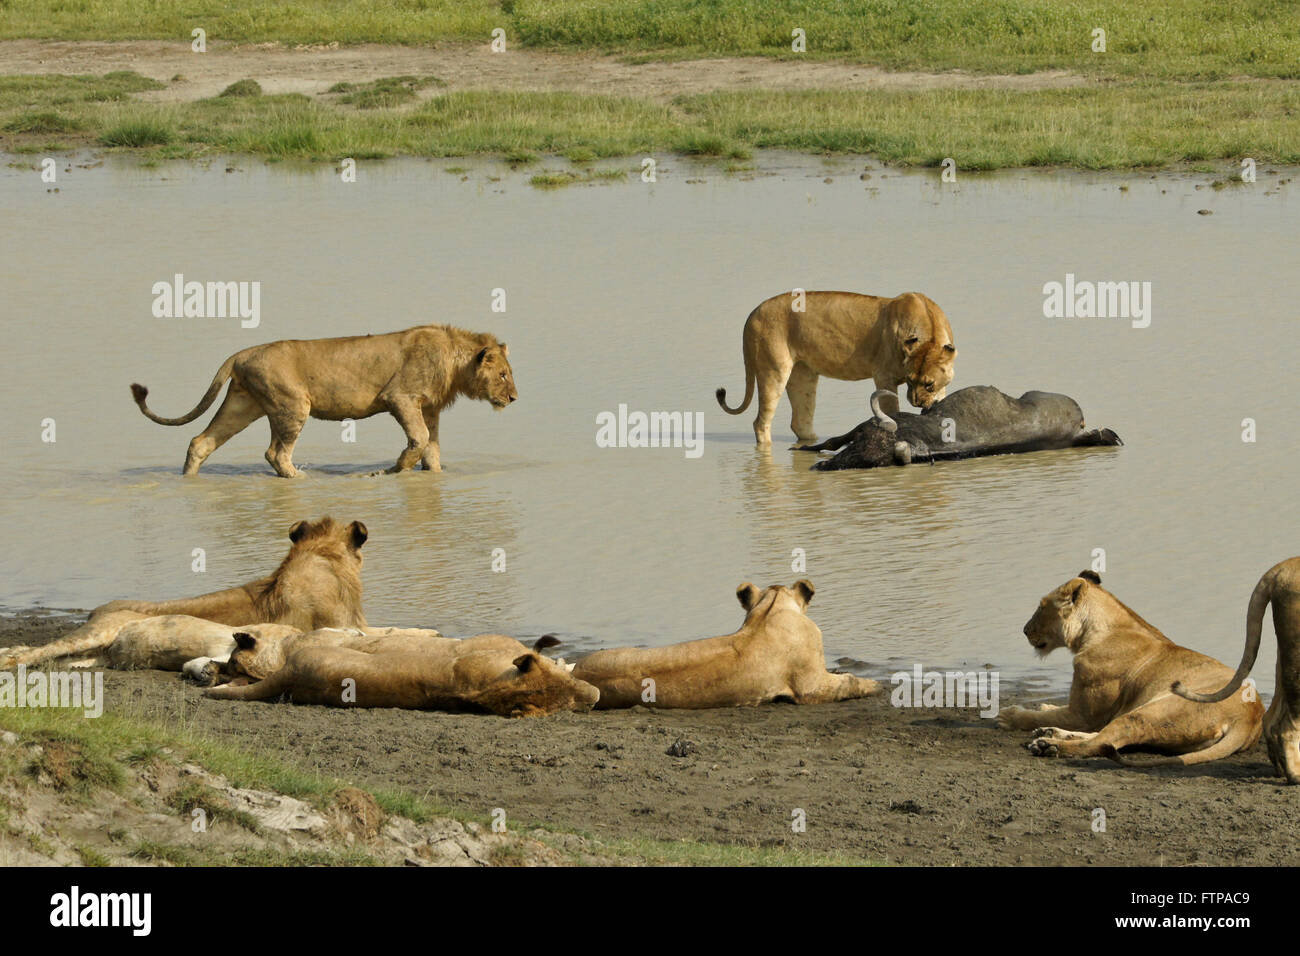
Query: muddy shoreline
932, 787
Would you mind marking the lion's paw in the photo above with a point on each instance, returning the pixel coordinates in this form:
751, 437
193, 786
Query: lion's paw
1043, 747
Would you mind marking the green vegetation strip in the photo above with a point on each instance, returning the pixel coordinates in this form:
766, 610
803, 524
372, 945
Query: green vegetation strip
1186, 39
105, 745
1100, 127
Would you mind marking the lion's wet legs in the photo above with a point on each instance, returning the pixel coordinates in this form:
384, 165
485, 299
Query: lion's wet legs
801, 388
411, 418
771, 383
237, 412
286, 425
431, 460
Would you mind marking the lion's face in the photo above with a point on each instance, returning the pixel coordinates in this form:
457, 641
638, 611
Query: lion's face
535, 686
1059, 618
928, 369
494, 379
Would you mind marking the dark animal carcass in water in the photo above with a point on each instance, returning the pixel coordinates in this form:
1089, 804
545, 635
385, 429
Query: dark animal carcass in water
970, 423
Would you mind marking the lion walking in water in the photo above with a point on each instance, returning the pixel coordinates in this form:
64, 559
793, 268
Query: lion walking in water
413, 375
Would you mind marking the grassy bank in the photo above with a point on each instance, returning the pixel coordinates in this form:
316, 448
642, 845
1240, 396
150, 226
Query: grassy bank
1102, 127
89, 759
1201, 39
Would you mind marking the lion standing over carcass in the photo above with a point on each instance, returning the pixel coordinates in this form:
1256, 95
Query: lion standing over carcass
791, 340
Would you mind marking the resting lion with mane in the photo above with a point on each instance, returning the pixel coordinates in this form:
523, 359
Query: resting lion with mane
318, 584
776, 655
413, 375
1120, 696
846, 336
1280, 586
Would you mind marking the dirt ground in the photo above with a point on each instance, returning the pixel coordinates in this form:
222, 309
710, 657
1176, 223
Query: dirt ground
919, 787
310, 70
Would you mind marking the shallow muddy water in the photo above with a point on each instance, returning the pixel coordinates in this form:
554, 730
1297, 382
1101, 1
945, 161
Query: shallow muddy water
635, 294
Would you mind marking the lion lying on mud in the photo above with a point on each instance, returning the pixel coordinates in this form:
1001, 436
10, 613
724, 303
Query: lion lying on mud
1280, 586
776, 655
413, 375
489, 673
318, 584
843, 335
970, 423
1120, 696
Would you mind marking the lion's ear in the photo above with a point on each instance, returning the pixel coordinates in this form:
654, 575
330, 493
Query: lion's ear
245, 641
747, 594
505, 350
1090, 575
525, 662
951, 350
482, 354
804, 588
297, 531
359, 534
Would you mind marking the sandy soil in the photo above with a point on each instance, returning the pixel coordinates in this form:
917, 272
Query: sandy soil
928, 787
281, 69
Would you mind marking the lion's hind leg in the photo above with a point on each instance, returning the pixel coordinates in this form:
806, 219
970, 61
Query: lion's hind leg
236, 413
95, 635
1162, 725
801, 388
1282, 736
834, 687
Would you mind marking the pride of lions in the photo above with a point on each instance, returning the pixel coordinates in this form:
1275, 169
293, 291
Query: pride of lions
299, 633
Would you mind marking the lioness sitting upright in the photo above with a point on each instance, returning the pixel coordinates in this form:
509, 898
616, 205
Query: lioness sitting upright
847, 336
413, 374
776, 655
1120, 696
318, 584
1279, 586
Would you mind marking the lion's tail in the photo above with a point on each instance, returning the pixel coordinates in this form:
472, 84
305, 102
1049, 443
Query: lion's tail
747, 349
140, 393
1234, 740
1259, 600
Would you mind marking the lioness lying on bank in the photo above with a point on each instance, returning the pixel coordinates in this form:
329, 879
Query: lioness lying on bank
1279, 586
841, 335
776, 655
413, 374
1120, 696
318, 584
489, 673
